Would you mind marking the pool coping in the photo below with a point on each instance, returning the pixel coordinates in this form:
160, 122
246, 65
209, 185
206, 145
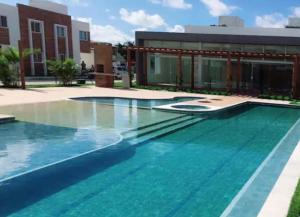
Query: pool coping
279, 199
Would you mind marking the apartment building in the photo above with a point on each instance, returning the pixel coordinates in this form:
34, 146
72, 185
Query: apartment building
46, 26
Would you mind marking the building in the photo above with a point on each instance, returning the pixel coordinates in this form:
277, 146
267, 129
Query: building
46, 26
224, 56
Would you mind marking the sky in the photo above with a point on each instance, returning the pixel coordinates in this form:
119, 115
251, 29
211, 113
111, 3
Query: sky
116, 20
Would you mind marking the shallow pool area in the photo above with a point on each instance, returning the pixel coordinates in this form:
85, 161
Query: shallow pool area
131, 161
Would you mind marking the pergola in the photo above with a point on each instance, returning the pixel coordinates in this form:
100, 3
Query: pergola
229, 55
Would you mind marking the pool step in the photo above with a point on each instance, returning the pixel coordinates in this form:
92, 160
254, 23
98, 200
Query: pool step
164, 131
127, 132
138, 132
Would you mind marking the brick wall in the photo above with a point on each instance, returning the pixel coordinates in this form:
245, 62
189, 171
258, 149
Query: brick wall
85, 46
103, 56
50, 19
4, 36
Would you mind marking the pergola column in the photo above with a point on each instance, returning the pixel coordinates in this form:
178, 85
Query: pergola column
239, 74
296, 79
229, 73
129, 65
180, 73
145, 60
193, 73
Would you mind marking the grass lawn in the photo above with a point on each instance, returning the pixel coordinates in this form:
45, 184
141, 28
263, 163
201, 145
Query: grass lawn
294, 210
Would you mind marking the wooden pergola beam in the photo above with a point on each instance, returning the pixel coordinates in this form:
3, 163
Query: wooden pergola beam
210, 53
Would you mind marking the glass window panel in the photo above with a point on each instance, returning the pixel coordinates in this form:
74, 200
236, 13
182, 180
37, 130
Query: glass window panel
171, 44
293, 49
213, 74
156, 44
166, 65
190, 45
212, 46
253, 48
3, 22
274, 49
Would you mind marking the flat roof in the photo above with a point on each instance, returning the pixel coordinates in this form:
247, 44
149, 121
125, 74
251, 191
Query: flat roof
216, 38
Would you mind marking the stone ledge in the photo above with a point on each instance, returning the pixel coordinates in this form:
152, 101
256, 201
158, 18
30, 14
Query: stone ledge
6, 118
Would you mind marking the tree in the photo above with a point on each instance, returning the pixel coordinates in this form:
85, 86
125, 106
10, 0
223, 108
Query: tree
122, 51
9, 65
65, 71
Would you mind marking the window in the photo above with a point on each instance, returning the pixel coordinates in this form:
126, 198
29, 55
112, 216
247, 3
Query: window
3, 21
100, 68
37, 57
35, 26
60, 31
84, 36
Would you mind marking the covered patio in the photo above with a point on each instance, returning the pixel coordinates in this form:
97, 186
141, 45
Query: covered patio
233, 59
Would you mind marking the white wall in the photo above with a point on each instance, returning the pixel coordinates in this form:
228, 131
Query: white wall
11, 12
49, 6
88, 58
283, 32
76, 27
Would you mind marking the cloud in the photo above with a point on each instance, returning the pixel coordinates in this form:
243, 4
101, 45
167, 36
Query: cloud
296, 12
218, 8
141, 19
275, 20
106, 33
176, 28
178, 4
80, 3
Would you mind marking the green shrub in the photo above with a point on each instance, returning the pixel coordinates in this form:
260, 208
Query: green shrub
65, 71
294, 210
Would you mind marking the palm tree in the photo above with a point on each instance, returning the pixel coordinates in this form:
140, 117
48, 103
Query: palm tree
10, 59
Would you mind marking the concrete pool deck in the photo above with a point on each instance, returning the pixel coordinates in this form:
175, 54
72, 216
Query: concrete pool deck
279, 199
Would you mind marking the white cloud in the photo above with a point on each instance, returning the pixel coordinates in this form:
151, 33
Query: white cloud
80, 3
275, 20
176, 28
296, 12
106, 33
139, 29
179, 4
218, 8
141, 18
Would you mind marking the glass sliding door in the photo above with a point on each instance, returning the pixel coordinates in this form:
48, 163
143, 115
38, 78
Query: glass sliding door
162, 69
213, 74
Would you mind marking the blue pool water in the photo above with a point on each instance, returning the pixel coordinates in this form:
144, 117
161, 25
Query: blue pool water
195, 169
142, 103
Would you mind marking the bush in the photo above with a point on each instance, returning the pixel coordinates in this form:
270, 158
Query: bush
65, 71
294, 210
8, 69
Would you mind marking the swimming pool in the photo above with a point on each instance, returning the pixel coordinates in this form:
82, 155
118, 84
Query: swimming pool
141, 103
167, 164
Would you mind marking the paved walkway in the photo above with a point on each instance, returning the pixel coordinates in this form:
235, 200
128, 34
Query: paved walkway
16, 96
